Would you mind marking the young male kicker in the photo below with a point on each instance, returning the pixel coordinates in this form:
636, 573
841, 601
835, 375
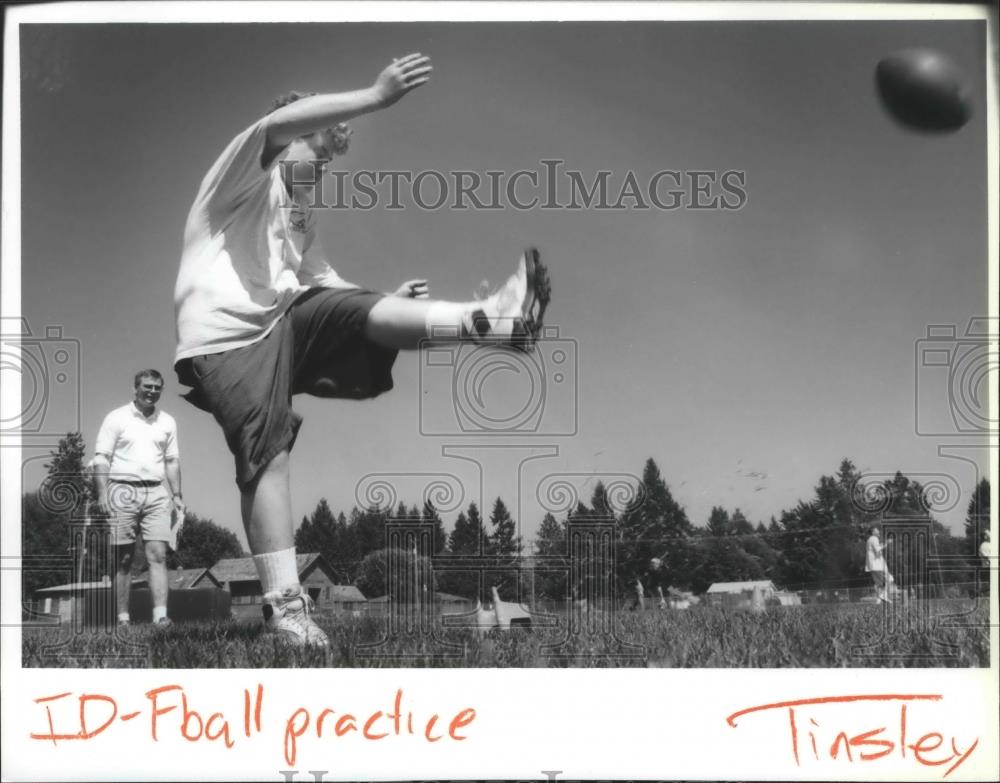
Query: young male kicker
261, 315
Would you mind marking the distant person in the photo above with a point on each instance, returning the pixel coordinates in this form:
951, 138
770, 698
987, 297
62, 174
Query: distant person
986, 555
875, 562
639, 602
137, 471
262, 315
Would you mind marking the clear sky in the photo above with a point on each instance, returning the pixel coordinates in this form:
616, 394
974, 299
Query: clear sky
771, 340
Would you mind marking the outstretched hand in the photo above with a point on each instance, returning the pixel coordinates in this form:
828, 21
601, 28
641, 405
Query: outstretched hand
413, 289
405, 74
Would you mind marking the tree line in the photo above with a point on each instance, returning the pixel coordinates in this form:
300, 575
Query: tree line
817, 545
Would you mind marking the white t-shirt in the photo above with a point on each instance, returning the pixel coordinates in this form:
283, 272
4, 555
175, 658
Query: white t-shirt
135, 446
249, 251
873, 558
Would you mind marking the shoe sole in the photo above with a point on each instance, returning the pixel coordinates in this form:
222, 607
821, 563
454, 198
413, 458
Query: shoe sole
539, 292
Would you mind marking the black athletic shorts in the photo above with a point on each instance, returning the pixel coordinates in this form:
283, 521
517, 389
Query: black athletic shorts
318, 347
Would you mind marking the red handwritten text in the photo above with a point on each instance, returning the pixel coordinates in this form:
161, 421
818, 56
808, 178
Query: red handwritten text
884, 729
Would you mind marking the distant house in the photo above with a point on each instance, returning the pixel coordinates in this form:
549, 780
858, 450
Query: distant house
59, 599
98, 600
442, 601
740, 595
239, 577
182, 579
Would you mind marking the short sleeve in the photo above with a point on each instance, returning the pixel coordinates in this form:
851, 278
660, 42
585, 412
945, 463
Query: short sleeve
107, 436
238, 170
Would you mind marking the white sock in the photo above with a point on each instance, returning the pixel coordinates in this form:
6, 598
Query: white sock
159, 612
277, 571
446, 320
124, 616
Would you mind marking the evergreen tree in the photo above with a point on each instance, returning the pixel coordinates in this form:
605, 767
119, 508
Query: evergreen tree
599, 502
369, 529
504, 544
740, 524
550, 543
440, 538
46, 517
719, 523
466, 539
347, 556
656, 526
977, 517
319, 533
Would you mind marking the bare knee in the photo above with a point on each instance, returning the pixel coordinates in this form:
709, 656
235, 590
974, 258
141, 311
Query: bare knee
125, 554
156, 552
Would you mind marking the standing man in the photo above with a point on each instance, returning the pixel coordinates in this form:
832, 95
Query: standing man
261, 314
875, 562
138, 474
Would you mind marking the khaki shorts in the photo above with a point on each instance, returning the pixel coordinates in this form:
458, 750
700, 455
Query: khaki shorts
136, 508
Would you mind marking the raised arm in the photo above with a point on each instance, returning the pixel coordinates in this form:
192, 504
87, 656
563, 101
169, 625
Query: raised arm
318, 112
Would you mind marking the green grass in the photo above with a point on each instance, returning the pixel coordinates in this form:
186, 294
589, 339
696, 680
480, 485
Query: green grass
807, 636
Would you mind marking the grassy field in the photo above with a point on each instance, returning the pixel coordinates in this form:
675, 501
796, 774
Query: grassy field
809, 636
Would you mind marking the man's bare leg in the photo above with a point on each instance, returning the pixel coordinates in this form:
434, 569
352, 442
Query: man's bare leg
123, 579
400, 324
266, 507
156, 555
267, 518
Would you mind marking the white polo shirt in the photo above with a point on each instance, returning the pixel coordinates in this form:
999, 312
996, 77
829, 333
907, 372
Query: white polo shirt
249, 251
137, 446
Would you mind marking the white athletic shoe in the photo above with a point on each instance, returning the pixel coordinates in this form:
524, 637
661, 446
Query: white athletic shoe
512, 317
288, 614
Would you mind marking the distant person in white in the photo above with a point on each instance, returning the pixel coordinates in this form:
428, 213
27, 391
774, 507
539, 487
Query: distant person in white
138, 474
875, 562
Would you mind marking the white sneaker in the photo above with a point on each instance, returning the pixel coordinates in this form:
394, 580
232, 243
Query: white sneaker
288, 614
512, 317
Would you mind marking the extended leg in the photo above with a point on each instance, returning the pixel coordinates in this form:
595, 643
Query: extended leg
512, 316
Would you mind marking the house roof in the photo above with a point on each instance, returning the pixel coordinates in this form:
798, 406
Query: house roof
739, 587
449, 598
73, 586
183, 578
347, 593
242, 569
445, 598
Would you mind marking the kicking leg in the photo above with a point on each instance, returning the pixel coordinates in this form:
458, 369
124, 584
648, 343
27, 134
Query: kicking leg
511, 316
